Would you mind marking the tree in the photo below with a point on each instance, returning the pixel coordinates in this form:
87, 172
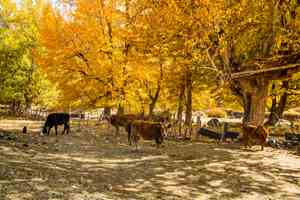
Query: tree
20, 79
251, 44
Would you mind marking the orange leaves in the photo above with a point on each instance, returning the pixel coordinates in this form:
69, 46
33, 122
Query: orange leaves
107, 46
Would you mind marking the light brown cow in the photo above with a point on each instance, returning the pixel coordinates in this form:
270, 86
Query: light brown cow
255, 135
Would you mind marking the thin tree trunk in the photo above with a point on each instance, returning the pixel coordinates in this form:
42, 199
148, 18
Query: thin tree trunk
141, 100
180, 107
277, 109
188, 111
151, 107
120, 110
157, 92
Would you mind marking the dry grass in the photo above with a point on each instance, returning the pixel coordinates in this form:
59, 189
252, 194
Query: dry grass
89, 164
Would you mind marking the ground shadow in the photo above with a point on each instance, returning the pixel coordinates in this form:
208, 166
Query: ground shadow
91, 164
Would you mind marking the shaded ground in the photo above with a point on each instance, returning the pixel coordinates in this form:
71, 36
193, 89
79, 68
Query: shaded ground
88, 164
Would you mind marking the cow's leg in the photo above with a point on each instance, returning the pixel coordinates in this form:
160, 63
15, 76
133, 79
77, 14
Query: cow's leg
158, 142
136, 142
128, 129
129, 138
117, 131
135, 138
67, 126
262, 146
136, 146
55, 126
250, 142
246, 140
49, 130
63, 132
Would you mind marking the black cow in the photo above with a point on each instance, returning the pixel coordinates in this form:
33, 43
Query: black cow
55, 119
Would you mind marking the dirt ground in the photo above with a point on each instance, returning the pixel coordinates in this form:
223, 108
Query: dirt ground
89, 164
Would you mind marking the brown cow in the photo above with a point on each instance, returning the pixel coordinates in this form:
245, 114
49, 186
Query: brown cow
125, 121
147, 130
253, 135
122, 121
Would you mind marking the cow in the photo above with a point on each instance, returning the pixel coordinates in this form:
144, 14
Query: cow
147, 130
118, 121
210, 134
255, 135
125, 121
55, 119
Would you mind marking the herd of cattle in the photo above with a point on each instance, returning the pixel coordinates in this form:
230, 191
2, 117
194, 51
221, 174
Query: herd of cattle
155, 127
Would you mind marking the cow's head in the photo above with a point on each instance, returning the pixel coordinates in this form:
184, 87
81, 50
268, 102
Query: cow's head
44, 130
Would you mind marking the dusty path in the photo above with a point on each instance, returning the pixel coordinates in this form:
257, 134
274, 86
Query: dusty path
88, 165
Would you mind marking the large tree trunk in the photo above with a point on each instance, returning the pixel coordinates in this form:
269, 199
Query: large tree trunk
277, 109
255, 93
188, 111
180, 107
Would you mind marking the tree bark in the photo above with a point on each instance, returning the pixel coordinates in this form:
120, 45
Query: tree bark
188, 111
120, 110
277, 109
154, 98
180, 107
151, 107
255, 93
